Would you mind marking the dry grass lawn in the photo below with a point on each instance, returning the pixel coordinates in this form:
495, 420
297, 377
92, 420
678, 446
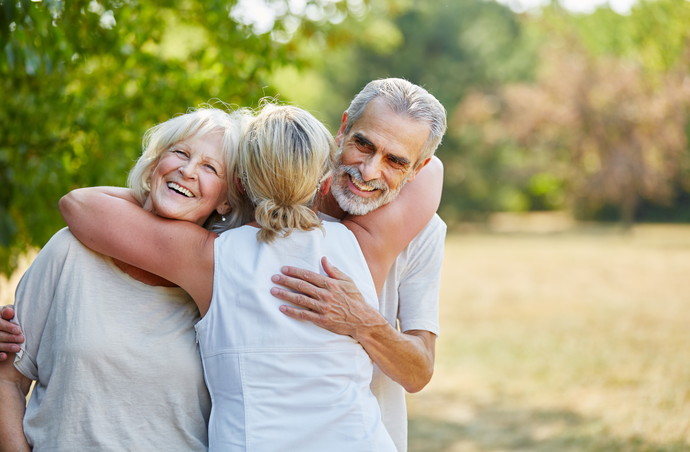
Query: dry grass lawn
575, 341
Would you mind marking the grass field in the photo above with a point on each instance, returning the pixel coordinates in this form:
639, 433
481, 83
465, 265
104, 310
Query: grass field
572, 341
568, 341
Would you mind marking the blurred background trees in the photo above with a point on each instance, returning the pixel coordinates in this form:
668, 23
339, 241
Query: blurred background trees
548, 111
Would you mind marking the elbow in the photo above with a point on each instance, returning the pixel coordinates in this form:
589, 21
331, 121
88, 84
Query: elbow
422, 379
68, 205
64, 205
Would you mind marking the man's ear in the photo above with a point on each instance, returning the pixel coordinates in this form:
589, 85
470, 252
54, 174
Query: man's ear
418, 169
341, 131
325, 186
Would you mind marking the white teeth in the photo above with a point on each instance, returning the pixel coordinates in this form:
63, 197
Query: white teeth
180, 189
361, 187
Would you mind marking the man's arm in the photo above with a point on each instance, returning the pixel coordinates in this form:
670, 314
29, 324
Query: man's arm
10, 333
333, 302
13, 390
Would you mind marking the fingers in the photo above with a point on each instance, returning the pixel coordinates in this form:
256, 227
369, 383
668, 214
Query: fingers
312, 278
9, 328
10, 342
7, 347
7, 312
295, 298
333, 271
298, 285
10, 334
300, 314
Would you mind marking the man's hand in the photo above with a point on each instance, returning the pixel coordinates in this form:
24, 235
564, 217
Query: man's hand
10, 333
13, 390
332, 302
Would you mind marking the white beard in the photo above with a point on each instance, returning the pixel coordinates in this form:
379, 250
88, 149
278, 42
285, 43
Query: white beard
355, 204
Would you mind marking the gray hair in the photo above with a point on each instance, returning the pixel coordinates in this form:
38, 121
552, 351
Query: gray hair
407, 99
197, 122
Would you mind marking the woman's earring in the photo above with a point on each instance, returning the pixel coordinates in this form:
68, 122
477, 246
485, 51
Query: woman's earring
222, 218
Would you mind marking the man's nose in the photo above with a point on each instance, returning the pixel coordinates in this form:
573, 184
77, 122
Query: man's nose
371, 168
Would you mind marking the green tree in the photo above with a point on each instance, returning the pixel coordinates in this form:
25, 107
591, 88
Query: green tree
82, 81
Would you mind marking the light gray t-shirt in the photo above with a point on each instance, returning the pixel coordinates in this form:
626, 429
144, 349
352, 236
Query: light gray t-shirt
115, 360
409, 301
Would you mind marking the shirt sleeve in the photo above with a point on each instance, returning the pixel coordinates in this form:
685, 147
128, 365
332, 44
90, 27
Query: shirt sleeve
419, 286
34, 298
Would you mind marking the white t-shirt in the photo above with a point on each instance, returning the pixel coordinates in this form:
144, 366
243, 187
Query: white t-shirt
279, 383
115, 360
409, 301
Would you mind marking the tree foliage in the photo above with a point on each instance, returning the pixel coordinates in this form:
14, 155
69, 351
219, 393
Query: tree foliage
605, 121
598, 125
82, 81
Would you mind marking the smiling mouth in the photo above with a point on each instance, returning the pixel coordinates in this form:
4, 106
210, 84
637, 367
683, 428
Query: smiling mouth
361, 187
179, 189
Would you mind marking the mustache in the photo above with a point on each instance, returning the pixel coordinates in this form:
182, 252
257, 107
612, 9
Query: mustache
354, 173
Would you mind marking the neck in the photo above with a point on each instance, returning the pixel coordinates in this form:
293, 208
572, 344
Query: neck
328, 205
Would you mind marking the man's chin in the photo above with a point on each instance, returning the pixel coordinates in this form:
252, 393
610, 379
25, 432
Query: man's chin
355, 205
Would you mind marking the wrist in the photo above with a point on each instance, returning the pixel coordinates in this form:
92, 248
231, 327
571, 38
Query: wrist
374, 330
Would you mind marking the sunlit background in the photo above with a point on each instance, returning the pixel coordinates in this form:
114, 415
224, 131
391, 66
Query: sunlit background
567, 178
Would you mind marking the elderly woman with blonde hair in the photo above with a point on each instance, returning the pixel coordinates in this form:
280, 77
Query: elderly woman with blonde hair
111, 347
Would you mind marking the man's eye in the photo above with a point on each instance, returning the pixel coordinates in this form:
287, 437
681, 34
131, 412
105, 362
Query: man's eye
398, 164
361, 144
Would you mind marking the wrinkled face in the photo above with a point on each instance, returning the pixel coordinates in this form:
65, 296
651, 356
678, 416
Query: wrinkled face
188, 182
377, 157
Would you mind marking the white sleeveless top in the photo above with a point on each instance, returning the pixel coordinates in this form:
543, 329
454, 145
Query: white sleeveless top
277, 383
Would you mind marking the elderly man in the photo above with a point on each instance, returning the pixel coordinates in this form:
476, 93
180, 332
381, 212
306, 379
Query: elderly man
387, 135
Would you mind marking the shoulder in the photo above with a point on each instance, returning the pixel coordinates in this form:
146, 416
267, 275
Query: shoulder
434, 231
61, 243
435, 226
233, 234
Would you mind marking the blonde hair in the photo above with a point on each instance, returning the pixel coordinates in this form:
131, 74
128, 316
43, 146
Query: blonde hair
284, 156
197, 122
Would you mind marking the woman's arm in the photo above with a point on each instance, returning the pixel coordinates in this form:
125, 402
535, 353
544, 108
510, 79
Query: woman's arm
385, 232
13, 390
107, 220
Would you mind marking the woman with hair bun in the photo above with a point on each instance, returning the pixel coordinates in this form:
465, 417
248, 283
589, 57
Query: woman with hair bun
279, 383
